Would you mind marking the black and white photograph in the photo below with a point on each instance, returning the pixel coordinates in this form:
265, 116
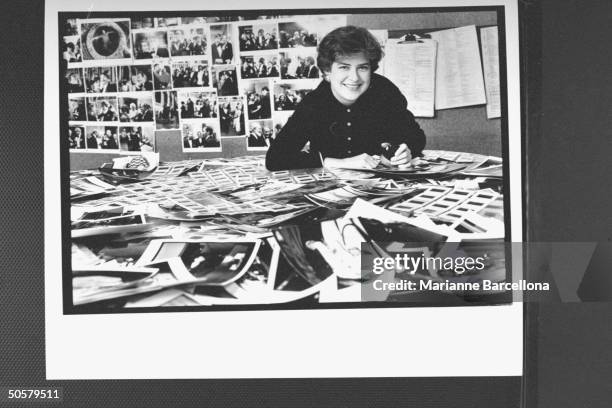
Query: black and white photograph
74, 80
259, 66
187, 41
70, 27
296, 34
287, 96
190, 74
299, 64
261, 36
163, 22
260, 134
134, 78
100, 79
136, 138
136, 108
193, 20
76, 137
231, 116
279, 118
106, 39
166, 110
150, 44
142, 22
222, 44
71, 49
102, 109
162, 77
200, 135
259, 100
196, 105
77, 109
101, 138
225, 80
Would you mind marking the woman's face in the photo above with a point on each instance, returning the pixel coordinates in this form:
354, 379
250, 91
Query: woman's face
349, 77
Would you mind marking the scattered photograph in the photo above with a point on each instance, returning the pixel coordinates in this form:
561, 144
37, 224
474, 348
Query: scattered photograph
197, 105
149, 44
106, 39
200, 135
135, 78
225, 80
136, 108
259, 104
189, 74
76, 109
258, 37
288, 95
162, 79
74, 80
100, 79
260, 133
102, 109
137, 138
76, 137
259, 66
102, 137
231, 116
71, 49
222, 41
298, 64
166, 110
186, 41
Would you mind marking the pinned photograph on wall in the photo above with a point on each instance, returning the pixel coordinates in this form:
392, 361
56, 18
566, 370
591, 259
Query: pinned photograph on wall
100, 79
136, 107
76, 137
162, 79
134, 78
106, 39
225, 80
149, 44
73, 80
166, 112
76, 109
162, 22
197, 104
193, 20
101, 138
258, 37
259, 104
222, 44
186, 41
70, 27
307, 32
259, 66
231, 116
260, 134
102, 108
299, 64
142, 22
200, 136
71, 49
137, 138
288, 95
279, 119
190, 74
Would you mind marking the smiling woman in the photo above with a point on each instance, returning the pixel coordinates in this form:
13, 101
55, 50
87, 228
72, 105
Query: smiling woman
352, 115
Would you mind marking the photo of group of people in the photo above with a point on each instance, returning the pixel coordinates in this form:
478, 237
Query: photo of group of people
111, 138
225, 74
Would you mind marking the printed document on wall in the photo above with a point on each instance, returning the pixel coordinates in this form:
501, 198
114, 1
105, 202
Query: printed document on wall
490, 63
412, 67
458, 70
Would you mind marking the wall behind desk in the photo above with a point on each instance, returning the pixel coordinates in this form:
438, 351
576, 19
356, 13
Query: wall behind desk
461, 129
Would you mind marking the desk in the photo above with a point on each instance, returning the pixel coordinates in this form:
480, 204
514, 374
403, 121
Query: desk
233, 233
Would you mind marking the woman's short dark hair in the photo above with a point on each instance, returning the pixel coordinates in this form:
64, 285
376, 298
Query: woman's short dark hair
345, 41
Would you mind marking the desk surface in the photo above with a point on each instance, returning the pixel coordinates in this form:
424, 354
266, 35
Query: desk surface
220, 207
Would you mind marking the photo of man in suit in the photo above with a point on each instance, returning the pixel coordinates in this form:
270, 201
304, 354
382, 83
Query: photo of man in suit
222, 51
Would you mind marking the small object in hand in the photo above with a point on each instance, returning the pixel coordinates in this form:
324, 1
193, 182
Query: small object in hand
388, 150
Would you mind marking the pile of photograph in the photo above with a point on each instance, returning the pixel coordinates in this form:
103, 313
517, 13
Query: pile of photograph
210, 78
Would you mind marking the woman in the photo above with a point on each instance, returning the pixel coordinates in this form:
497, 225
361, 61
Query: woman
133, 112
238, 118
351, 115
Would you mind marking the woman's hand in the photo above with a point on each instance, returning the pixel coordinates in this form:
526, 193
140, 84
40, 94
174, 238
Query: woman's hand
362, 161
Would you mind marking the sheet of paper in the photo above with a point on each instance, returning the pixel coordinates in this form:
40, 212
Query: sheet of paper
490, 63
382, 36
458, 70
412, 67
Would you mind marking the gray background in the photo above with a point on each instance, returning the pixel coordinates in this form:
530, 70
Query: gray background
460, 129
